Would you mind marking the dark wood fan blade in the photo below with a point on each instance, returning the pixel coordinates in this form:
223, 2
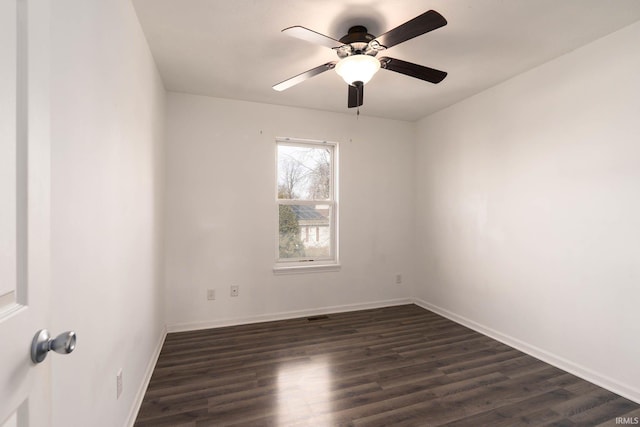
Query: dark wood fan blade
356, 96
413, 70
312, 36
304, 76
419, 25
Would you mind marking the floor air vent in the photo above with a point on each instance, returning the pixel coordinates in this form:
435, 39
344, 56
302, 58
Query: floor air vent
321, 317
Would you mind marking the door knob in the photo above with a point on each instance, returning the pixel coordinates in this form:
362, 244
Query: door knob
42, 343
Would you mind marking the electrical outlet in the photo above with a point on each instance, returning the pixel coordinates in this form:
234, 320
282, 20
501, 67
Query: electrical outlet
119, 384
235, 290
398, 278
211, 294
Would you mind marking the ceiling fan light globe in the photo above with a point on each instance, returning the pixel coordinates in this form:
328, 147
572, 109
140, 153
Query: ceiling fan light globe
357, 68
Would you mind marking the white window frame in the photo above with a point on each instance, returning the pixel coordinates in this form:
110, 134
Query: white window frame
307, 264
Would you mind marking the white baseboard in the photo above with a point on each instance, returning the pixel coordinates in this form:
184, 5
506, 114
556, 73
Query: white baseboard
137, 402
625, 390
192, 326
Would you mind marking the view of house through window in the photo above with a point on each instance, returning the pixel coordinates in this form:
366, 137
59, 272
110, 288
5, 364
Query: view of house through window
306, 201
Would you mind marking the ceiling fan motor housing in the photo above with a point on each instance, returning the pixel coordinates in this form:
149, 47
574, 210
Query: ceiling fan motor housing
356, 42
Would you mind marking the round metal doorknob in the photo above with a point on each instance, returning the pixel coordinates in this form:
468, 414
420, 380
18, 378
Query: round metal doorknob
42, 343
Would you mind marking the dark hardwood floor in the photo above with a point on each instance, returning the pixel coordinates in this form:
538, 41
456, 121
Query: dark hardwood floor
394, 366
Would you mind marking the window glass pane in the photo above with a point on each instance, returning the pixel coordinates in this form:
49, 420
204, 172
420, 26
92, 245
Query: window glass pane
305, 231
304, 173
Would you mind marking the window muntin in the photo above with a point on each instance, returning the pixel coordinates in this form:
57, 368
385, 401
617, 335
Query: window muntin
306, 203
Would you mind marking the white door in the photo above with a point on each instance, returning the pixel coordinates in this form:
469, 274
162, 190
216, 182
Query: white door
24, 210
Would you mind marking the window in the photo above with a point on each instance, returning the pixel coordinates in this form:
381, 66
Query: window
307, 208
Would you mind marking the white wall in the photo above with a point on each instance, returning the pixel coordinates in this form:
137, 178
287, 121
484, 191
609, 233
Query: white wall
221, 214
107, 133
528, 211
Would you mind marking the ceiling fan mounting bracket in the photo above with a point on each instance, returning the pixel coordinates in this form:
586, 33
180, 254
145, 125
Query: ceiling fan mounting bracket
357, 34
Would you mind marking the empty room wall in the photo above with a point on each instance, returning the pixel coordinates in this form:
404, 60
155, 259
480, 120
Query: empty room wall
528, 211
221, 215
107, 124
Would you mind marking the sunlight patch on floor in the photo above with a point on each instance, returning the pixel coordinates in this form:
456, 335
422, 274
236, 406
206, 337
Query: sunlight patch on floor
304, 390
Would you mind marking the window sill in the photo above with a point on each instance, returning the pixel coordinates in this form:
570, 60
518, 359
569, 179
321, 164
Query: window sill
300, 269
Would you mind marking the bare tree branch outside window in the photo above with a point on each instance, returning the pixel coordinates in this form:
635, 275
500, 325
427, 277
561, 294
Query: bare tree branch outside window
304, 174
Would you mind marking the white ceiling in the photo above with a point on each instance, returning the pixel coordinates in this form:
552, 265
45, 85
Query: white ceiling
234, 48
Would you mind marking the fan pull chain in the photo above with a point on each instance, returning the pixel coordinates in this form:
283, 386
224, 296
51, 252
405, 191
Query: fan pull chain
359, 87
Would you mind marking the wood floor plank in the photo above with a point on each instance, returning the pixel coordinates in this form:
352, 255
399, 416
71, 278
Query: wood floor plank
393, 366
519, 413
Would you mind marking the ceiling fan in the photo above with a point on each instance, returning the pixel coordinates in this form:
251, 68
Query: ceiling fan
358, 49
